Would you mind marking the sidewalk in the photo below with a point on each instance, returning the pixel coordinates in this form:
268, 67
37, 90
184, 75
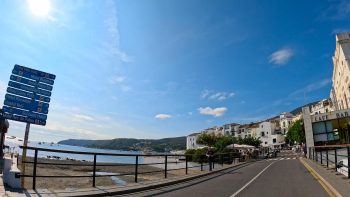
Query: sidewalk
109, 190
337, 180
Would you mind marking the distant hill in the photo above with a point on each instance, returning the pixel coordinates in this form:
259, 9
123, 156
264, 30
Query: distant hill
130, 144
299, 109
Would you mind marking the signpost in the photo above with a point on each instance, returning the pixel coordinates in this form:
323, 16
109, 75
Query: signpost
27, 99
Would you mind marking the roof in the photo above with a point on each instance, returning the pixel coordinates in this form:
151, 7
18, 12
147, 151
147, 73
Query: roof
193, 134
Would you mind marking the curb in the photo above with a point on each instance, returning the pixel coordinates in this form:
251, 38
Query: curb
327, 186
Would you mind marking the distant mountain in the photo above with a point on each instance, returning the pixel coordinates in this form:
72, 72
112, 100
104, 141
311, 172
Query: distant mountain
299, 109
130, 144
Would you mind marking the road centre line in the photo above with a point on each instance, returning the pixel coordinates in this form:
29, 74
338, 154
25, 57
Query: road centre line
246, 185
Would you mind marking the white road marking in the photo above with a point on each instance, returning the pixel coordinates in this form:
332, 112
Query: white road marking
282, 158
246, 185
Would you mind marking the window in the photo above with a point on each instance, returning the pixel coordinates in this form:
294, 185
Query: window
274, 140
262, 134
265, 142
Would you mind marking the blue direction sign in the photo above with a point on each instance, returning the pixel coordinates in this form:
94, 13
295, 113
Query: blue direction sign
28, 95
36, 74
23, 119
29, 88
26, 104
21, 112
30, 82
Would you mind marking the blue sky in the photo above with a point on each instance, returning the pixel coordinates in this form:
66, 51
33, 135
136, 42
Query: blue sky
154, 69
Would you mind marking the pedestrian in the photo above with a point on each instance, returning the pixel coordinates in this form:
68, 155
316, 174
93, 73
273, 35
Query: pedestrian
304, 150
210, 155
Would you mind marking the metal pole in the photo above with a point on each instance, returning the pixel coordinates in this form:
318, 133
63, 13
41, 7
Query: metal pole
313, 153
348, 162
34, 167
201, 163
327, 157
309, 152
335, 159
166, 166
94, 172
321, 158
186, 165
136, 167
316, 157
24, 152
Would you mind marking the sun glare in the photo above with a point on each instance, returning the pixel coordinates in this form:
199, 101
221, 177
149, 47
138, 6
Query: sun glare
39, 7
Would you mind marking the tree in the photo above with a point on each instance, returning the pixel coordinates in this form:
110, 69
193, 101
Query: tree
207, 139
249, 141
296, 132
223, 141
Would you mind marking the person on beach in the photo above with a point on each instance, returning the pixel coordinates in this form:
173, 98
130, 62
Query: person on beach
210, 155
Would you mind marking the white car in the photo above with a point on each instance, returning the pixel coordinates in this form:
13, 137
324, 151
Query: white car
342, 166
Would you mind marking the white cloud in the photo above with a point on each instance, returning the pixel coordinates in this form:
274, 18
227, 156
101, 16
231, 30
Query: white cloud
213, 112
117, 79
83, 117
204, 94
311, 87
162, 116
112, 27
220, 96
282, 56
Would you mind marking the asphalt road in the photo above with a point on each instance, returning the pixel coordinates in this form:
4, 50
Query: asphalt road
281, 176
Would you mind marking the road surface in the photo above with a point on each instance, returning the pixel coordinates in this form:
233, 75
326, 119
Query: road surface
281, 176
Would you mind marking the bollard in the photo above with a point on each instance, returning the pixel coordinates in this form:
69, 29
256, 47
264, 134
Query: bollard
321, 158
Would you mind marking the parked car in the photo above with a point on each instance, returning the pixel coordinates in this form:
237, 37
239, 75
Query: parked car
342, 166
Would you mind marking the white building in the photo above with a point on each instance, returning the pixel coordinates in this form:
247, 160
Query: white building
321, 107
270, 134
340, 92
286, 119
191, 141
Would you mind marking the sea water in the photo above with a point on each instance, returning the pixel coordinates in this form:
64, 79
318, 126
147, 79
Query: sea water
14, 144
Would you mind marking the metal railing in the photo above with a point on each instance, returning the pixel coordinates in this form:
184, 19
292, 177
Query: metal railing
330, 155
219, 159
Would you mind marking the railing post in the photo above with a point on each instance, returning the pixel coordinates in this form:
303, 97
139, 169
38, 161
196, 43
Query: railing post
201, 163
316, 156
94, 172
210, 164
186, 165
335, 159
327, 157
136, 167
309, 152
34, 168
348, 162
313, 153
321, 158
166, 166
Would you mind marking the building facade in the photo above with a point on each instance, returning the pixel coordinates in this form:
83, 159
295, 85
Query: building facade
191, 141
340, 92
327, 128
